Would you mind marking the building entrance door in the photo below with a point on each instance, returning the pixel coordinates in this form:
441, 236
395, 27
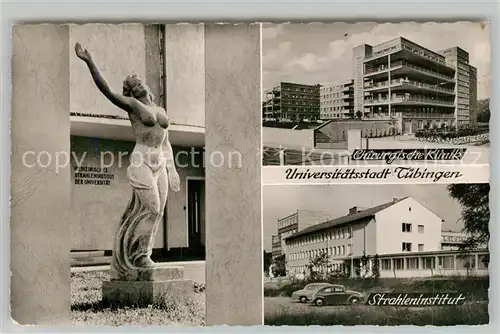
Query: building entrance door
196, 217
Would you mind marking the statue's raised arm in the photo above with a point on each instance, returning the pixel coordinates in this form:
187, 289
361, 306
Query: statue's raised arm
123, 102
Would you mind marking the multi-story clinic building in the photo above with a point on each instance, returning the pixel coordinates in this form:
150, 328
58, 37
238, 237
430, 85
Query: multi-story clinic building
425, 88
337, 100
98, 126
292, 102
294, 223
404, 233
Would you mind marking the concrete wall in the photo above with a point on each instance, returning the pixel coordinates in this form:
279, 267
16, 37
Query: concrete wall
276, 137
96, 209
118, 51
337, 131
234, 225
364, 237
185, 73
154, 61
389, 232
40, 196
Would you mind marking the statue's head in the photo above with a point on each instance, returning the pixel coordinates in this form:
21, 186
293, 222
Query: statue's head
133, 86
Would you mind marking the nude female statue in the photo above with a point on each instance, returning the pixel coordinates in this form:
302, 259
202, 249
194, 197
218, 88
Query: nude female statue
150, 172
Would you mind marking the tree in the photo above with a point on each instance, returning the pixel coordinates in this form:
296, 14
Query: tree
316, 266
474, 199
279, 268
365, 269
376, 267
268, 259
359, 114
352, 114
483, 111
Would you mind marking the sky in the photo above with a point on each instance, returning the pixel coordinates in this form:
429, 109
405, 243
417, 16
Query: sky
322, 53
335, 200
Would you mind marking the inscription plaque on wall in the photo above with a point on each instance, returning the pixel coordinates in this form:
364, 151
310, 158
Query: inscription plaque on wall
95, 176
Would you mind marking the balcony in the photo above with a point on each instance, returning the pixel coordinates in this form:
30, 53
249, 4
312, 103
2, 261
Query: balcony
405, 82
409, 101
414, 50
384, 52
407, 65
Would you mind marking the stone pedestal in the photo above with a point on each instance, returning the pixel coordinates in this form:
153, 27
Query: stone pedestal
156, 286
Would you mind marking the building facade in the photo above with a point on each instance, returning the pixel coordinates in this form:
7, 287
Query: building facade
423, 88
337, 100
294, 223
292, 102
102, 138
451, 240
400, 229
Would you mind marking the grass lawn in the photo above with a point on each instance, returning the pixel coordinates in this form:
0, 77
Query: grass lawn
280, 310
87, 309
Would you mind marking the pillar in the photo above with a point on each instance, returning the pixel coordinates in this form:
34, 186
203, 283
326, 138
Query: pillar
233, 124
185, 73
40, 193
389, 93
353, 140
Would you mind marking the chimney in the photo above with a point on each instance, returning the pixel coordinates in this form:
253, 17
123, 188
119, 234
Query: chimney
353, 210
395, 199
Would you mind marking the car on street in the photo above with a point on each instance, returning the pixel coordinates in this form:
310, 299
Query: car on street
335, 295
304, 295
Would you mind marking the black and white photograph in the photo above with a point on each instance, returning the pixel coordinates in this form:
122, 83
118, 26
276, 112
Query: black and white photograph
361, 254
115, 128
137, 188
329, 89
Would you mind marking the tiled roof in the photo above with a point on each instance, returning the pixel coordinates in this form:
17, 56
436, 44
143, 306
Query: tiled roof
346, 219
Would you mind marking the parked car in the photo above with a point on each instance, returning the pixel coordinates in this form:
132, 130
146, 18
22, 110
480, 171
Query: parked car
336, 295
304, 295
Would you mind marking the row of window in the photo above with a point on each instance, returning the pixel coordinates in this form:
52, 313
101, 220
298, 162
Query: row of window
333, 88
299, 89
463, 83
301, 103
463, 66
288, 233
303, 269
332, 251
454, 238
407, 228
302, 97
444, 262
341, 233
336, 108
407, 247
332, 95
331, 115
464, 91
312, 110
463, 101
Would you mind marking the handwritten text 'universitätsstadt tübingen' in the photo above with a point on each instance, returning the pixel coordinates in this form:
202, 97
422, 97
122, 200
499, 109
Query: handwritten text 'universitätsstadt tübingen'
405, 173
